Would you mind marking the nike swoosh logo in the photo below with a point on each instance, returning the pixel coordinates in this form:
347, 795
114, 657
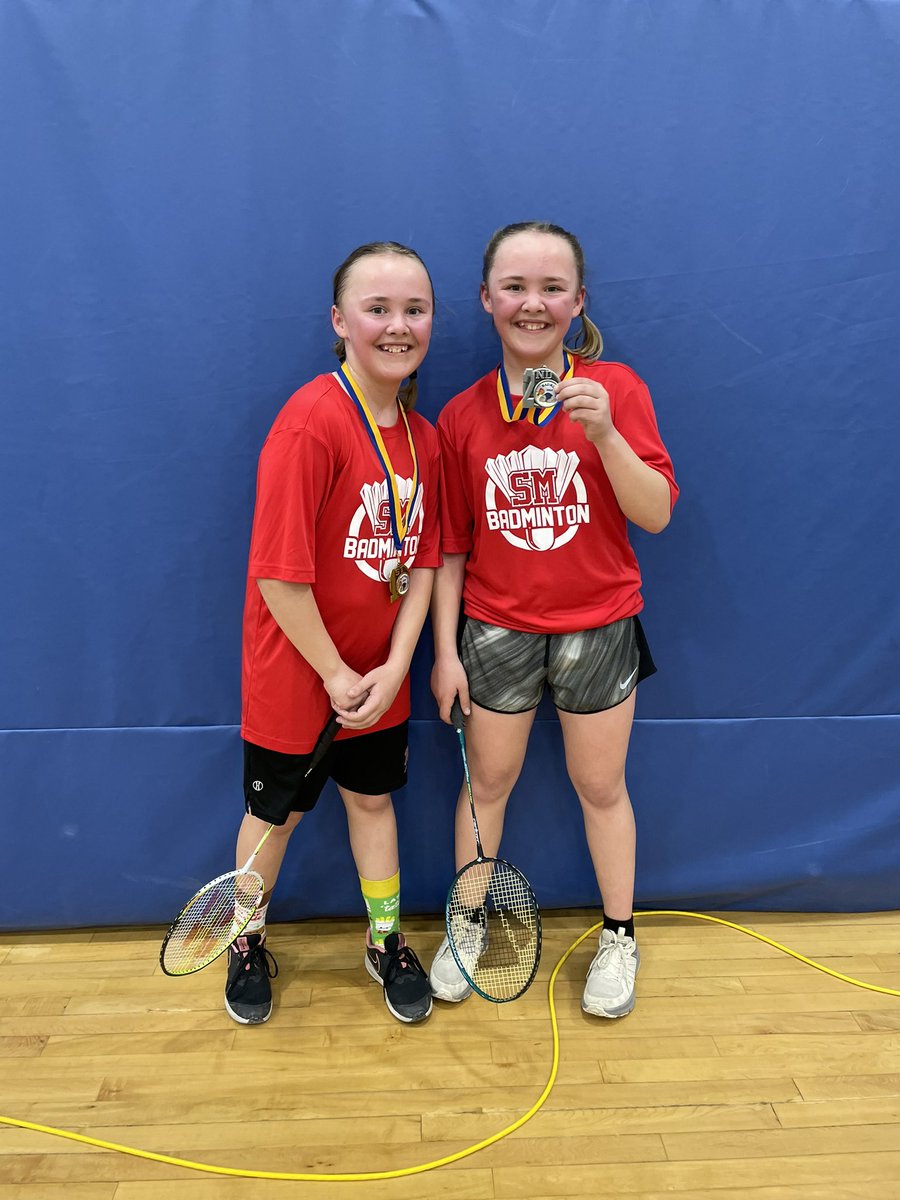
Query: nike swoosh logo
625, 682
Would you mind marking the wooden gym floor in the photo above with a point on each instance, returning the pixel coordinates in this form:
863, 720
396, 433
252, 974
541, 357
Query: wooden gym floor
742, 1074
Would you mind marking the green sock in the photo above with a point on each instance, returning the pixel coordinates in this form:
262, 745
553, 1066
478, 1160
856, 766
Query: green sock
382, 897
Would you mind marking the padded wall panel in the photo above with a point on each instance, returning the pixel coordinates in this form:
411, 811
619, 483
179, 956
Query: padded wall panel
179, 183
96, 849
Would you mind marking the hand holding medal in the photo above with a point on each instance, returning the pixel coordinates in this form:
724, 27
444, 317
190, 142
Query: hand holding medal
586, 402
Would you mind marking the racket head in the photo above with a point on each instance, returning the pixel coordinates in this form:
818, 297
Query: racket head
207, 924
494, 928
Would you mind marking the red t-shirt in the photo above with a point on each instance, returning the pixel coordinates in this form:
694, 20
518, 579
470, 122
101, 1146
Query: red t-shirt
322, 518
533, 508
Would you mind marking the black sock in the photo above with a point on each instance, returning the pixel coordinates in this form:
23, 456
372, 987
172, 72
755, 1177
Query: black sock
615, 926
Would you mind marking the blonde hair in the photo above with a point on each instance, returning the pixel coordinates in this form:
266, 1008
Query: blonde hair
409, 391
588, 343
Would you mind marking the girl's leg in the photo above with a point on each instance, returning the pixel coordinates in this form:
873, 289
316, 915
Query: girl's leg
495, 748
373, 840
373, 833
268, 861
248, 993
596, 746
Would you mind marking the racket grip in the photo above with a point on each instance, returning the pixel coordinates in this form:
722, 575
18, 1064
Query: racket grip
324, 740
456, 716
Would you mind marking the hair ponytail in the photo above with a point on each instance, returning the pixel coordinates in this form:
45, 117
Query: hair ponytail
588, 341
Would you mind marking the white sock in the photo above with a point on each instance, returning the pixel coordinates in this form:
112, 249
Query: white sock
258, 923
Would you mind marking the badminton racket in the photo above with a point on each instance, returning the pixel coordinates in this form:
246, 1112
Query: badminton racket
492, 916
223, 908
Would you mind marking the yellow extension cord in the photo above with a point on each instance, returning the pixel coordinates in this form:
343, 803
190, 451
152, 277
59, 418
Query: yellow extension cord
353, 1177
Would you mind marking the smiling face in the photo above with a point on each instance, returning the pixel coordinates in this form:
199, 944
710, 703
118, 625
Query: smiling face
533, 292
384, 313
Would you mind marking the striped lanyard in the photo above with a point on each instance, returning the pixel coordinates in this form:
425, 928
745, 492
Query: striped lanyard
399, 521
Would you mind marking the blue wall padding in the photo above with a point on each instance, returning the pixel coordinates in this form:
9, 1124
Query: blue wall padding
179, 182
132, 821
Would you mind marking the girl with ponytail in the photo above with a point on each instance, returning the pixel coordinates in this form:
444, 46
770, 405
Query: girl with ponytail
545, 460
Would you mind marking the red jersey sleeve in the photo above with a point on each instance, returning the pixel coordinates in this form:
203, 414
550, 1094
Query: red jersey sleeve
457, 519
632, 414
293, 482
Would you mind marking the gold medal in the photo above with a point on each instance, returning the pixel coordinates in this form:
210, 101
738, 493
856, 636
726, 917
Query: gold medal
398, 582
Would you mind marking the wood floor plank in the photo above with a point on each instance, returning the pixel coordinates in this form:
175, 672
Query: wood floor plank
826, 1114
184, 1138
780, 1143
515, 1050
51, 1191
590, 1122
850, 1086
815, 1191
730, 1175
471, 1184
745, 1067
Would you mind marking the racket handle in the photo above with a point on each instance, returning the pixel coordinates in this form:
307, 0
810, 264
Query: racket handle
456, 716
324, 740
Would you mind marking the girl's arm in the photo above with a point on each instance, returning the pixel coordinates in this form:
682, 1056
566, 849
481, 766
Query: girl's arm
383, 683
297, 615
448, 677
642, 492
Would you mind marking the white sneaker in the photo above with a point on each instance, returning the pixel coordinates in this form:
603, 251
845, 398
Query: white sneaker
609, 991
446, 979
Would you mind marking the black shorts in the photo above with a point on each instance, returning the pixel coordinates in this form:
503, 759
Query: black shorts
371, 763
585, 672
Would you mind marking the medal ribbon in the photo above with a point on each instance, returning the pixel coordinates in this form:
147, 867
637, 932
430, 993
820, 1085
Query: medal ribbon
399, 524
515, 412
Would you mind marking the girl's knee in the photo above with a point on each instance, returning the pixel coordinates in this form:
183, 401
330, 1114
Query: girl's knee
492, 791
283, 832
367, 805
602, 796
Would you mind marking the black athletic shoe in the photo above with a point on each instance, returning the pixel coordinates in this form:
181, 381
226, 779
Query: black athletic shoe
248, 993
407, 992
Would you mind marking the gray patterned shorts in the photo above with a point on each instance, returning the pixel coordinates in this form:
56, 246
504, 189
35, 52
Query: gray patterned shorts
586, 672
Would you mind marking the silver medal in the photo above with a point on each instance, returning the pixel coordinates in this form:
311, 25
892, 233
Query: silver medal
539, 386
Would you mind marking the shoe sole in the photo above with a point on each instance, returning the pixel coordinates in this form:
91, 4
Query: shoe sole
446, 994
246, 1020
373, 971
600, 1012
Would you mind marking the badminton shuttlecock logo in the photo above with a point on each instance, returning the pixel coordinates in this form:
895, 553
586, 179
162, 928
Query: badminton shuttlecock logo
369, 541
536, 498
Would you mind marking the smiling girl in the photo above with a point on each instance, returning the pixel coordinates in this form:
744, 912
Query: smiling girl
344, 542
537, 498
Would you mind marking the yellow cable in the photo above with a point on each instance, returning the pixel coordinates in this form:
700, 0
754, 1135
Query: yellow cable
450, 1158
761, 937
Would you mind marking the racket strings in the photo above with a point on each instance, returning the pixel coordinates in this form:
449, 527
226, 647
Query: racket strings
210, 921
493, 923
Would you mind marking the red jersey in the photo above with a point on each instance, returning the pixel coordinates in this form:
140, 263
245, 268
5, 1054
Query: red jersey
533, 508
322, 518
